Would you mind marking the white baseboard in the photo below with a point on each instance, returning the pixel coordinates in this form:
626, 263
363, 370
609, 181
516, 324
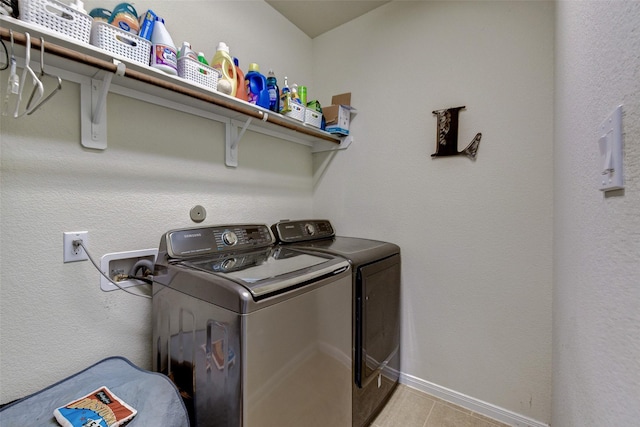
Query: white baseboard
475, 405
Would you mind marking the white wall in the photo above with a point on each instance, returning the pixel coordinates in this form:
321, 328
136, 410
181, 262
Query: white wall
476, 236
596, 340
159, 163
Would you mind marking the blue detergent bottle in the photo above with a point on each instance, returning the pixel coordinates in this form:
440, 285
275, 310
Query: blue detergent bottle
256, 84
274, 92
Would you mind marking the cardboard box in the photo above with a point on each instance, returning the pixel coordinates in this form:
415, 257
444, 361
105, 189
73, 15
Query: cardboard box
338, 115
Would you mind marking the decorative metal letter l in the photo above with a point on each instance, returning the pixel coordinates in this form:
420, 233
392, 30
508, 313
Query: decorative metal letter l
447, 137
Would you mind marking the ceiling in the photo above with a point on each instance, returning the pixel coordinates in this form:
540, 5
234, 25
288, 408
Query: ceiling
315, 17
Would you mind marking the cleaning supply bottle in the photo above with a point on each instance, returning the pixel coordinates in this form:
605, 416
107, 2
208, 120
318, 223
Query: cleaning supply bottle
202, 58
78, 5
274, 92
294, 94
256, 83
285, 98
302, 93
163, 51
241, 89
186, 51
224, 64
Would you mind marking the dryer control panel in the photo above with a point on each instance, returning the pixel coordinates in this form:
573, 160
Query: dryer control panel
302, 230
216, 239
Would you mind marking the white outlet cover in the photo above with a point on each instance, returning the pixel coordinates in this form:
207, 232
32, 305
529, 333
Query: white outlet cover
68, 253
106, 259
610, 174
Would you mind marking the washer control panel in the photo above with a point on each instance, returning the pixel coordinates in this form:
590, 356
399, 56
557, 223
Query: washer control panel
216, 239
302, 230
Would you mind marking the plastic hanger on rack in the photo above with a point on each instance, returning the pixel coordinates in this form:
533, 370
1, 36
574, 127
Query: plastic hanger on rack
32, 108
13, 84
34, 78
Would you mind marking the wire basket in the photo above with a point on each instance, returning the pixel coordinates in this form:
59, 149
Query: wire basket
297, 111
121, 43
58, 17
197, 72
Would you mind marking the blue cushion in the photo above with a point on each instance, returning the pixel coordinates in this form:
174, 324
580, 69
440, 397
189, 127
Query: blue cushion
153, 395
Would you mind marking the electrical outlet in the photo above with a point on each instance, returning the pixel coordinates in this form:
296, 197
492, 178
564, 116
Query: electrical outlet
71, 253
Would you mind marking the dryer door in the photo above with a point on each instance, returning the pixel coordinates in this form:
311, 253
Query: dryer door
377, 326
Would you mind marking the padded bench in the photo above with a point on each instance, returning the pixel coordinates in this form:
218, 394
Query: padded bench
153, 395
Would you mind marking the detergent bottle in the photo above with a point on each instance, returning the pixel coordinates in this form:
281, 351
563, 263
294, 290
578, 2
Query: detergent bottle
256, 83
163, 51
285, 97
202, 58
294, 94
241, 88
78, 5
186, 51
274, 92
224, 64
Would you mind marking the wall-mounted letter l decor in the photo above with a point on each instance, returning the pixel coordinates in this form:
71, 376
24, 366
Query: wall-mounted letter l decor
447, 136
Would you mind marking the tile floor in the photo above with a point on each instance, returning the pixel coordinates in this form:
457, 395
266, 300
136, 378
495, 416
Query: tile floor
411, 408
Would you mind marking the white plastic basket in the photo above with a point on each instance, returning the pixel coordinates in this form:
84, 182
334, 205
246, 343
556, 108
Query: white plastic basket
297, 111
121, 43
313, 118
58, 17
195, 71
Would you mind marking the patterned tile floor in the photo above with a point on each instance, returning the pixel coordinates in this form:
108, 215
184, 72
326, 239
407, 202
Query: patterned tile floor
411, 408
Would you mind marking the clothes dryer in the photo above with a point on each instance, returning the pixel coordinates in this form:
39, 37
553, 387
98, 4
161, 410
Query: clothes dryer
376, 307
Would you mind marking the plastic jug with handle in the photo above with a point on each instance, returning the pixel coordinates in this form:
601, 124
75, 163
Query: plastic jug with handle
224, 64
256, 83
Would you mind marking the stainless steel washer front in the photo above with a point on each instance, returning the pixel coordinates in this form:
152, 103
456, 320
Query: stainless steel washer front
242, 350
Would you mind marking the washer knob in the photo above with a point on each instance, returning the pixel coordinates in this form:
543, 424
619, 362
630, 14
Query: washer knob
228, 264
310, 229
229, 238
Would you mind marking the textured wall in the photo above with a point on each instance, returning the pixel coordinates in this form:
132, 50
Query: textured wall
159, 163
596, 342
476, 236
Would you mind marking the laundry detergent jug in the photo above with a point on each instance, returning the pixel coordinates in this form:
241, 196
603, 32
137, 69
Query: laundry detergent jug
224, 64
256, 84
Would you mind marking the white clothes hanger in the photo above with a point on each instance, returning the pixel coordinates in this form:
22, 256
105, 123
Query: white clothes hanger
34, 78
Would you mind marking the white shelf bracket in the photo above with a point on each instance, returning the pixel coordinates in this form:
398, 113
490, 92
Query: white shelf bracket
345, 142
233, 140
93, 100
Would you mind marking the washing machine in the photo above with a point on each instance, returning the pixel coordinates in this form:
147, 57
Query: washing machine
252, 333
376, 308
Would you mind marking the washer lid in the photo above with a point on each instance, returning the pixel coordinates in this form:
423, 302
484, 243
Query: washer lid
275, 270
